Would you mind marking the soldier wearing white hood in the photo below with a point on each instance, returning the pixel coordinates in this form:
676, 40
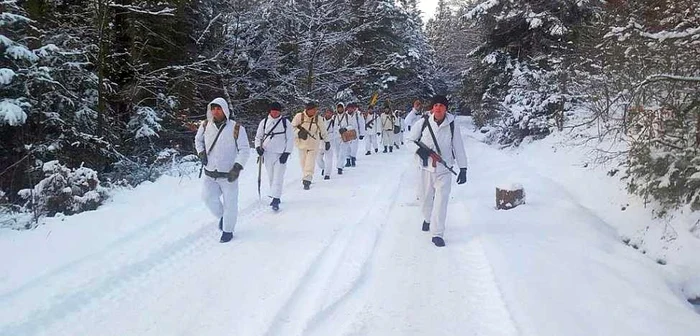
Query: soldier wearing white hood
444, 140
415, 114
343, 151
373, 130
325, 157
274, 142
354, 121
398, 129
222, 145
388, 122
310, 132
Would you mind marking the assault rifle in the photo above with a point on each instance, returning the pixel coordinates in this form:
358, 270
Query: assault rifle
301, 128
434, 155
371, 122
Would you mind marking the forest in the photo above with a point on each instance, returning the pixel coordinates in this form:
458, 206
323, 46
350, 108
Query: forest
102, 94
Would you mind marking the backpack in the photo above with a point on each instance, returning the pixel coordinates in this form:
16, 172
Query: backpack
236, 130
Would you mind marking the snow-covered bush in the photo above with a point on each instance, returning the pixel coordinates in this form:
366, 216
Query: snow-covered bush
64, 190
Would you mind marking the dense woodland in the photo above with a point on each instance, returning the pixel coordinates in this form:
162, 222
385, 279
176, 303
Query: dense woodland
103, 93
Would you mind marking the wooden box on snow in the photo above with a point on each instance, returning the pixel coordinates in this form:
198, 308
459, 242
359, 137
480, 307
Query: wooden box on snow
509, 197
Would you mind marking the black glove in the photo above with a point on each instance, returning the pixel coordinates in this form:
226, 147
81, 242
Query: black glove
235, 171
328, 145
378, 134
362, 137
203, 157
342, 130
284, 157
303, 134
260, 150
462, 176
409, 128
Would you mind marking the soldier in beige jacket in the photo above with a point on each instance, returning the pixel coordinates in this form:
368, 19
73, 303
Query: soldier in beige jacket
310, 131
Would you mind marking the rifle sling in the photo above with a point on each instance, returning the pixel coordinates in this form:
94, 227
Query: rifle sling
216, 138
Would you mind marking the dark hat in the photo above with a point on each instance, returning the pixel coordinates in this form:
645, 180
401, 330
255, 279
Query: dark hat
275, 106
310, 105
353, 104
439, 99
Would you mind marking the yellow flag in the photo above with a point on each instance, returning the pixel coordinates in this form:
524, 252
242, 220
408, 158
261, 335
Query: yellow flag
373, 100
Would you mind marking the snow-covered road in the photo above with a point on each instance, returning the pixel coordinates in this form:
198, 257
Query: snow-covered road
345, 258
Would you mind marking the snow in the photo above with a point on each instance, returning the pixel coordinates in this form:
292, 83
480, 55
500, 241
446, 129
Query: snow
11, 112
481, 9
6, 76
348, 258
17, 52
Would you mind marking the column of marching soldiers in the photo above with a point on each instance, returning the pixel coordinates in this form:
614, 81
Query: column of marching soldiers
322, 139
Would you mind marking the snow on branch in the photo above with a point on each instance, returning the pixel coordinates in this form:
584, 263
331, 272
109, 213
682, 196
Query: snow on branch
665, 35
206, 30
135, 9
666, 77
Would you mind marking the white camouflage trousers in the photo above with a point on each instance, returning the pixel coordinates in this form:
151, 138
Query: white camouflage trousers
354, 144
307, 158
371, 142
325, 157
436, 194
342, 153
275, 173
221, 197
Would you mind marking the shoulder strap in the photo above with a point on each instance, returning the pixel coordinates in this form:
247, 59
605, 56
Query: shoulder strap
432, 134
236, 131
204, 123
216, 138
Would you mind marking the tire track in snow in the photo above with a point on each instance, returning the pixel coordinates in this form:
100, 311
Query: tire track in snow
38, 281
338, 270
117, 283
493, 317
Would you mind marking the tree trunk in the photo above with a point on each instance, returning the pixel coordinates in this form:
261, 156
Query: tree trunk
511, 197
102, 23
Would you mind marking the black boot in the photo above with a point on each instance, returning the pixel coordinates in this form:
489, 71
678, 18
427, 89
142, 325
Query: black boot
221, 224
353, 161
348, 162
275, 204
322, 172
391, 149
397, 146
384, 149
226, 237
340, 171
401, 143
307, 184
368, 153
376, 150
426, 226
326, 177
438, 241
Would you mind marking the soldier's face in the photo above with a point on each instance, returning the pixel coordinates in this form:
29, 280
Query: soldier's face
217, 112
439, 111
340, 109
328, 115
417, 105
275, 113
311, 112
